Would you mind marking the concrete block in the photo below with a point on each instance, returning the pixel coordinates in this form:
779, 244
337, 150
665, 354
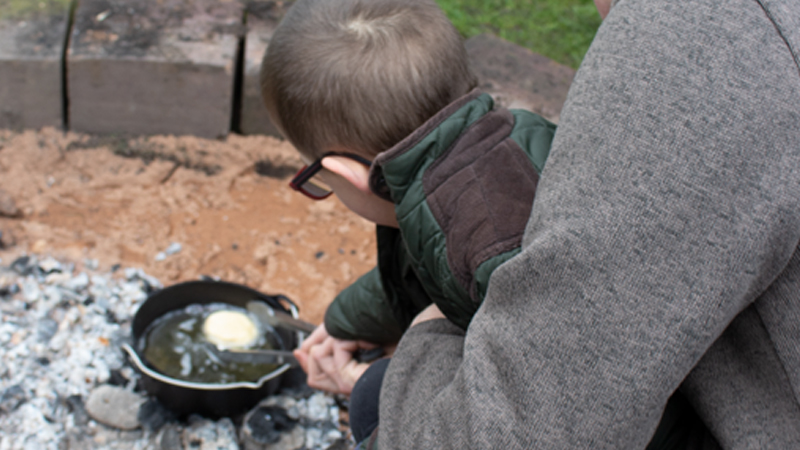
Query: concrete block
32, 37
262, 18
518, 78
153, 67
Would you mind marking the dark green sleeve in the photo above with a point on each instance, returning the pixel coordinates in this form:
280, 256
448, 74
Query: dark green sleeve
361, 312
405, 294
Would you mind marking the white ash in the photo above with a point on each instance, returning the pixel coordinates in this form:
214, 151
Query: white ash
60, 337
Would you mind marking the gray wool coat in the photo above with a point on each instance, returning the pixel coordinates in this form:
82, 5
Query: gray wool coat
661, 253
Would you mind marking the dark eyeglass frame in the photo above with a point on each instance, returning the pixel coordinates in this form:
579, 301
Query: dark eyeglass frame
305, 174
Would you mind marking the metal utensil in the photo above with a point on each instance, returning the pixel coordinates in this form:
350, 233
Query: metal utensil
252, 356
279, 356
274, 318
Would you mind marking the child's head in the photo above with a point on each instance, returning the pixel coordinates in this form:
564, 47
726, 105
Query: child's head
360, 75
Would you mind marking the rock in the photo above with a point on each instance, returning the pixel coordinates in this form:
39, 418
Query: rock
266, 424
78, 410
294, 439
31, 291
173, 248
8, 208
117, 378
46, 328
340, 444
203, 434
23, 265
31, 42
169, 438
153, 415
318, 408
518, 78
166, 67
50, 265
115, 407
78, 439
8, 285
285, 423
78, 283
262, 18
12, 398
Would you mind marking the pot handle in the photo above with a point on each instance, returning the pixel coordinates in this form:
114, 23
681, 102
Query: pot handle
292, 306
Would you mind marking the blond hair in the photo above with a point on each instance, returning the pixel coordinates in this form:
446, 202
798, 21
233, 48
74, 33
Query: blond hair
361, 74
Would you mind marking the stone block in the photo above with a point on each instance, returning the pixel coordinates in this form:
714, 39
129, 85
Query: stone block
518, 78
262, 18
153, 67
32, 35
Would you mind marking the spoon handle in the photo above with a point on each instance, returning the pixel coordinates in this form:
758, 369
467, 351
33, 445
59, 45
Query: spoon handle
254, 356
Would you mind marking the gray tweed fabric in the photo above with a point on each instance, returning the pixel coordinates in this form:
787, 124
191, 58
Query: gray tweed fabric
661, 253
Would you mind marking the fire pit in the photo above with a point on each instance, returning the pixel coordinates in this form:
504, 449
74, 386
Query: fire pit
65, 381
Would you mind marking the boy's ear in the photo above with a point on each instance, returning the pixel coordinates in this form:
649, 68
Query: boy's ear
354, 172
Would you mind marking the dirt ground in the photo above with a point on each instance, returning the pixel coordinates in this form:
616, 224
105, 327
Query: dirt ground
226, 202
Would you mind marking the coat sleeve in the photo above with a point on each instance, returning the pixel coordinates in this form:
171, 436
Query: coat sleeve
361, 312
667, 207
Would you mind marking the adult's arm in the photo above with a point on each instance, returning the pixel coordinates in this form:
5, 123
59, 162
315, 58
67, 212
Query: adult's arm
668, 206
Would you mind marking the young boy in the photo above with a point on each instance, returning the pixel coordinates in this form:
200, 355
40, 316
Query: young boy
380, 96
377, 95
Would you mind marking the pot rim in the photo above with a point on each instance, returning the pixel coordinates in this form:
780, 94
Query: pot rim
255, 385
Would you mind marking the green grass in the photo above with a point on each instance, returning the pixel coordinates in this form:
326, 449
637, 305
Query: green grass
559, 29
26, 9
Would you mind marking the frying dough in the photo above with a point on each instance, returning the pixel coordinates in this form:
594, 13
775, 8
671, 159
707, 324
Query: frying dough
230, 329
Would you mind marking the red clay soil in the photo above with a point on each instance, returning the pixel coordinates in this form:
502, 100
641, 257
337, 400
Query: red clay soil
226, 202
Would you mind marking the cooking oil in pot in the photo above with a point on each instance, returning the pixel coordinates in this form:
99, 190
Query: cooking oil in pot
177, 343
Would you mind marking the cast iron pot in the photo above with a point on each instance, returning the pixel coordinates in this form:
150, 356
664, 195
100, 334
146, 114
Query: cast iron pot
210, 400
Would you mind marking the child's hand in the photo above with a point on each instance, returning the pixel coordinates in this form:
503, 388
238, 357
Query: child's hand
317, 337
329, 362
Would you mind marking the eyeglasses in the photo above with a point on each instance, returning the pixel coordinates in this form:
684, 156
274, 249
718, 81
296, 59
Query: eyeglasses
307, 182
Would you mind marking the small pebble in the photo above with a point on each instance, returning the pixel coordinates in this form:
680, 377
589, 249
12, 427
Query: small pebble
49, 265
46, 329
116, 378
22, 265
266, 424
115, 407
78, 409
169, 438
153, 415
173, 248
206, 434
12, 398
